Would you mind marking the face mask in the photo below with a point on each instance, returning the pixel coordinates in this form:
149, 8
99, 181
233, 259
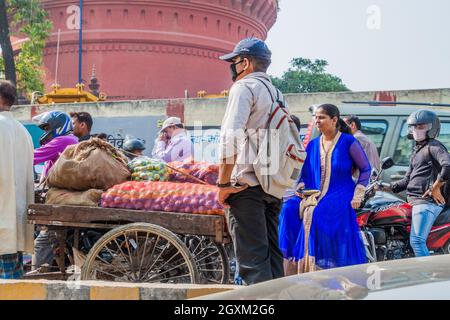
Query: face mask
234, 73
419, 135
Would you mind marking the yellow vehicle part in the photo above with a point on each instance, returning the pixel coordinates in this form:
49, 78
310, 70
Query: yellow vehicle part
69, 95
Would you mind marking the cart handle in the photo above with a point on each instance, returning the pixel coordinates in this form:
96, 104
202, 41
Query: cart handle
187, 175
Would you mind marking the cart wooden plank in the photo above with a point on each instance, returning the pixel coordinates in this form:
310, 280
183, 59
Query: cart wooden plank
182, 223
56, 225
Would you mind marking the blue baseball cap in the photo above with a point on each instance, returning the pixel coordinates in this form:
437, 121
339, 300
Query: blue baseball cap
250, 47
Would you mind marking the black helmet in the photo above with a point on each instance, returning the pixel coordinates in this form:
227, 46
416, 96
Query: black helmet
424, 116
55, 124
133, 144
249, 47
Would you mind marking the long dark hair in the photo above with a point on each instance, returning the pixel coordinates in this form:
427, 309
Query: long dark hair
332, 111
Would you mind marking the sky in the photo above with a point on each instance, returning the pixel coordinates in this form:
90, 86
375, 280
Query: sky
370, 45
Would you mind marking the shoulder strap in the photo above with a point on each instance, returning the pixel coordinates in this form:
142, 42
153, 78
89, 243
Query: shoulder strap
270, 92
268, 121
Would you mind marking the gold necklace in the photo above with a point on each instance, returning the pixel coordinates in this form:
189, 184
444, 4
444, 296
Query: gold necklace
330, 144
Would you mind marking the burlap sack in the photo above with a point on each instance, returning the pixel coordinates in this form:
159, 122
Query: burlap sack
92, 164
89, 198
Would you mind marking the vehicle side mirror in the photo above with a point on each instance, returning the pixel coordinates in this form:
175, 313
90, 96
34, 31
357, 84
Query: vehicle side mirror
387, 163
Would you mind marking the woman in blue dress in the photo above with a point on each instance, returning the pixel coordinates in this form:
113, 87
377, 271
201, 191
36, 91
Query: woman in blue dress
319, 230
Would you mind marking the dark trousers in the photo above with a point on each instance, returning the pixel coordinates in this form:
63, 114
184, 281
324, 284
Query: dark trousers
253, 223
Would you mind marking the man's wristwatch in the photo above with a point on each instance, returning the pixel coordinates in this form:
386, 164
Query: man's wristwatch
224, 185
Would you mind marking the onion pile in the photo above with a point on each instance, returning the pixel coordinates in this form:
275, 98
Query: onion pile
164, 196
204, 171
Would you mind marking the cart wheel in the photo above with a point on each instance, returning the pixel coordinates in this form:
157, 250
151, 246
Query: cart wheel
210, 258
140, 252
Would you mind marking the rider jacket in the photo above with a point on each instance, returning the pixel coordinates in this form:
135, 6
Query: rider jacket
422, 173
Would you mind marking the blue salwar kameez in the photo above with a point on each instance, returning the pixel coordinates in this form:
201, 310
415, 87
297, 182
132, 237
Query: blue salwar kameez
320, 231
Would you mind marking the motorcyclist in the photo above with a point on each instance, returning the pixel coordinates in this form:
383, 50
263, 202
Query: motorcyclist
428, 172
133, 147
57, 136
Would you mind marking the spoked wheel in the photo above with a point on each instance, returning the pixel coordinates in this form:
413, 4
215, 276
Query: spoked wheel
140, 252
210, 258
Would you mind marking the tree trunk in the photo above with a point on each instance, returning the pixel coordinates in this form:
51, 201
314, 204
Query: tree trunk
5, 44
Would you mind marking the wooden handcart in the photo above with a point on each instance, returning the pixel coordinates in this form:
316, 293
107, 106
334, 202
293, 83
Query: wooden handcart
138, 246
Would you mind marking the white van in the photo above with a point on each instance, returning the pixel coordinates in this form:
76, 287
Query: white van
386, 127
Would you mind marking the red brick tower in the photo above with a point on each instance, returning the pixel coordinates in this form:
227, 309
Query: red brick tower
153, 48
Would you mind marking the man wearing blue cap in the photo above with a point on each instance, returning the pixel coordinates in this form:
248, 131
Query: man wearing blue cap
253, 214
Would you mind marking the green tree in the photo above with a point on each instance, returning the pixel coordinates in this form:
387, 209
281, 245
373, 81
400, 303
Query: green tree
306, 76
29, 20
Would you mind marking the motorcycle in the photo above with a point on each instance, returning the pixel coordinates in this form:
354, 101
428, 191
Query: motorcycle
385, 223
